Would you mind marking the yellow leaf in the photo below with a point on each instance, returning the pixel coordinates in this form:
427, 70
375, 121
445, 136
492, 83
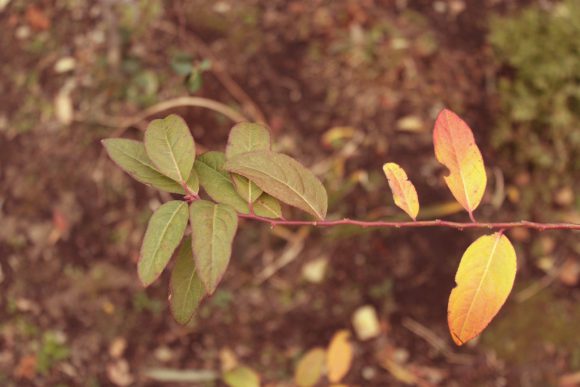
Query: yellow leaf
484, 280
455, 148
310, 367
339, 356
404, 192
242, 377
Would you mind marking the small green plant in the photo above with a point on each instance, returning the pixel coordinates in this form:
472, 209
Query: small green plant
250, 181
52, 350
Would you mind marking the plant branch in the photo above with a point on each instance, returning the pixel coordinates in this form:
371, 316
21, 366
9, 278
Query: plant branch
500, 226
184, 101
415, 224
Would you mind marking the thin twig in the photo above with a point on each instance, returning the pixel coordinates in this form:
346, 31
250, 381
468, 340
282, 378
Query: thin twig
293, 249
500, 226
122, 123
435, 341
180, 102
415, 224
538, 286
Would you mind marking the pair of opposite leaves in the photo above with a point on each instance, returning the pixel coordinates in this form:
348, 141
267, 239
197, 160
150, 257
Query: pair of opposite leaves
488, 267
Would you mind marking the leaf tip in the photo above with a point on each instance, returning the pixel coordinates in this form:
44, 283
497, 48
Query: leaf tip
387, 166
456, 339
209, 289
445, 111
145, 282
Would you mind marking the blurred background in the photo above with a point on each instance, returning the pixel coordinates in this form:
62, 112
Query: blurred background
345, 86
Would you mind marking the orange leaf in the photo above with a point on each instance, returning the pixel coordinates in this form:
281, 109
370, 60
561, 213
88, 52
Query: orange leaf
26, 368
484, 280
404, 192
455, 148
36, 18
339, 356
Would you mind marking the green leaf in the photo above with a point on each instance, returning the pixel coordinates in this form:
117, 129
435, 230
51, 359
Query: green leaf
186, 289
217, 182
164, 231
131, 157
194, 81
267, 206
284, 178
170, 146
193, 181
242, 377
310, 367
182, 63
246, 189
213, 228
247, 137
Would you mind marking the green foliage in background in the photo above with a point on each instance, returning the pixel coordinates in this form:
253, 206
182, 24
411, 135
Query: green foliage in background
51, 351
539, 127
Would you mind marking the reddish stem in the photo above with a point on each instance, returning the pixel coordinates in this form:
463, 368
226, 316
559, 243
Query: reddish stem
190, 197
472, 217
414, 224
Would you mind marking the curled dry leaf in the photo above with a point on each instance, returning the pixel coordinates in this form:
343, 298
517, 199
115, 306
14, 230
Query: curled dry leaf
404, 193
484, 280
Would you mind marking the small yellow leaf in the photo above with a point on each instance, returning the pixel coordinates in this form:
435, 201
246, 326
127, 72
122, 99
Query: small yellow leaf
404, 192
339, 356
242, 377
310, 367
484, 280
455, 148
